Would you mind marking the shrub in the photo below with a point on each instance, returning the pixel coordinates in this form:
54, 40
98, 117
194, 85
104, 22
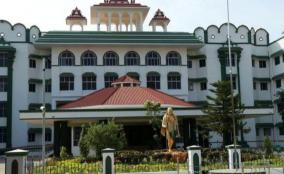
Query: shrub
63, 153
268, 147
83, 143
109, 135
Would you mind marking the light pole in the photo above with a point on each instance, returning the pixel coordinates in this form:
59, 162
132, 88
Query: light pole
43, 110
231, 81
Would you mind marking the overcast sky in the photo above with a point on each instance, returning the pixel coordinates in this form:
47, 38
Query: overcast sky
185, 15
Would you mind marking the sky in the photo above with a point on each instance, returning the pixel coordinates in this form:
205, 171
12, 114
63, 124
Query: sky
185, 15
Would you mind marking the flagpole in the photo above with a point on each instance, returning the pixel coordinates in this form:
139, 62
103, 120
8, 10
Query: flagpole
43, 110
231, 77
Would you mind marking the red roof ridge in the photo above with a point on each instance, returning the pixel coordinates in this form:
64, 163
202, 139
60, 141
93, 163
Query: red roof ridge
92, 93
125, 79
116, 88
176, 98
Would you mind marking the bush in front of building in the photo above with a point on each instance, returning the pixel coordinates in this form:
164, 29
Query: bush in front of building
268, 147
63, 153
105, 135
84, 143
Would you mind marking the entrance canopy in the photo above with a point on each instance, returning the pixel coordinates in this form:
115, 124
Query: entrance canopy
124, 102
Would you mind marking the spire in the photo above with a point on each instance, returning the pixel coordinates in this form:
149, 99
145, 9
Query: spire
159, 19
76, 18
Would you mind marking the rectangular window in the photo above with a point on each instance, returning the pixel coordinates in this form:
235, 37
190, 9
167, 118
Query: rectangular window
189, 63
281, 130
48, 87
257, 131
267, 131
76, 135
233, 60
3, 84
277, 60
190, 85
3, 135
203, 86
202, 63
254, 85
174, 81
278, 83
32, 87
48, 136
32, 63
262, 64
31, 137
253, 63
47, 63
263, 86
234, 82
3, 59
3, 109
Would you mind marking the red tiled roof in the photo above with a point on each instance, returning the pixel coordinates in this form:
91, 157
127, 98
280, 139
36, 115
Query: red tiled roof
126, 79
125, 96
159, 15
76, 14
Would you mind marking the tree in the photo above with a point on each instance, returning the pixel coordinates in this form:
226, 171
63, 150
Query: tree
83, 143
280, 103
106, 135
153, 110
219, 111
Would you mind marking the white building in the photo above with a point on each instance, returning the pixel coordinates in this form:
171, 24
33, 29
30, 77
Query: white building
180, 64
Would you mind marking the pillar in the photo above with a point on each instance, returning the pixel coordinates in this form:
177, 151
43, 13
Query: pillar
99, 22
109, 22
120, 22
131, 22
16, 161
234, 157
108, 161
194, 159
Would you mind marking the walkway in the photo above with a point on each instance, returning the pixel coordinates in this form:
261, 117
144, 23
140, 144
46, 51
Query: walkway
2, 165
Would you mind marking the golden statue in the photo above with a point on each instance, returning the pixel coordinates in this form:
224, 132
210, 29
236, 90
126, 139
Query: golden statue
170, 127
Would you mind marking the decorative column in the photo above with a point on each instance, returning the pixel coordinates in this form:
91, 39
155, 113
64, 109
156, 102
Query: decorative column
120, 22
234, 157
131, 22
99, 22
194, 159
109, 22
16, 161
108, 161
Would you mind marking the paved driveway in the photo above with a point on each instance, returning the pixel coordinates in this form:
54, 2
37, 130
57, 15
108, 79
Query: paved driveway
2, 166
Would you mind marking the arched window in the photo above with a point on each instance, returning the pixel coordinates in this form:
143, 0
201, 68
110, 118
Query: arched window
109, 78
66, 82
153, 58
132, 58
88, 58
173, 58
134, 75
66, 58
153, 80
89, 81
111, 59
174, 80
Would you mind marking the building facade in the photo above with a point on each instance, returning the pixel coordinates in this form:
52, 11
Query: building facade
68, 65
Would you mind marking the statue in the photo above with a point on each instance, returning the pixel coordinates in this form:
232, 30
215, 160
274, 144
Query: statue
170, 127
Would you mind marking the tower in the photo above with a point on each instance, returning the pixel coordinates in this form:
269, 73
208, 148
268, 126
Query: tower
76, 18
119, 15
159, 20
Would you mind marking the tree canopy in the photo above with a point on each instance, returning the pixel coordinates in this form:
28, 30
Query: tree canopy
219, 110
